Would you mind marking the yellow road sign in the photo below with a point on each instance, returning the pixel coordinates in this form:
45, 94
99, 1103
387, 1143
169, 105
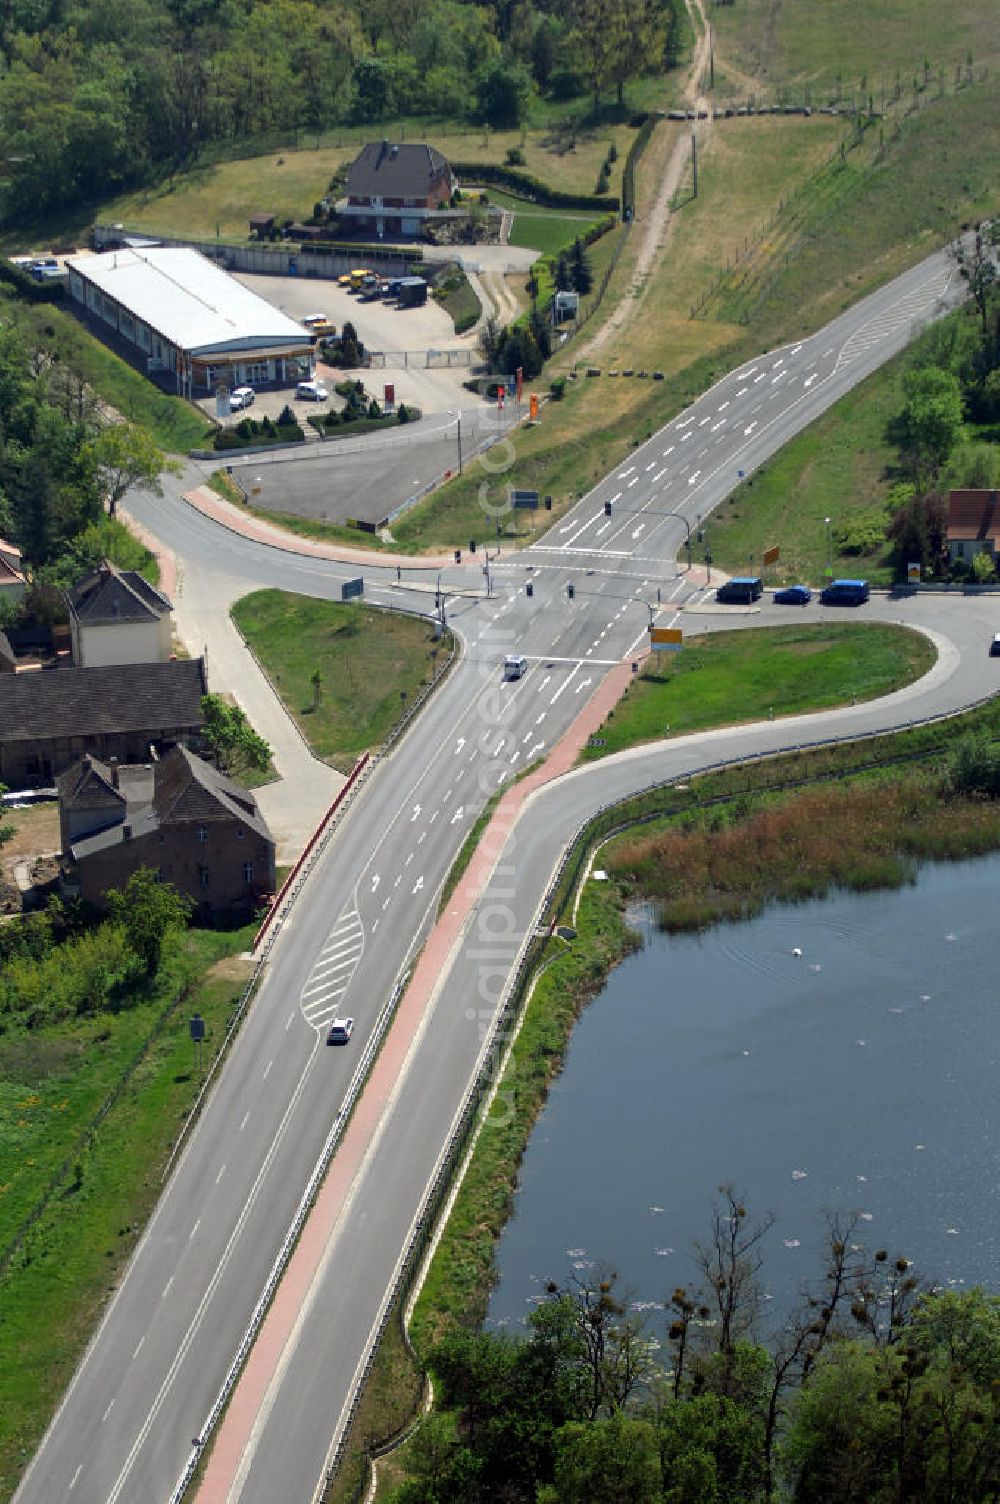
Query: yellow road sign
666, 639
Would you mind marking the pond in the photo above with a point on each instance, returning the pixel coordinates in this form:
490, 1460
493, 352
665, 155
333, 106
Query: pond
839, 1055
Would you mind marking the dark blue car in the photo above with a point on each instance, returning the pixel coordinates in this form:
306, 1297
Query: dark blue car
793, 595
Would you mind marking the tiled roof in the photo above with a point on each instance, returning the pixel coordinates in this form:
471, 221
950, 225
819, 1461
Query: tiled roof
974, 515
115, 595
185, 790
122, 697
385, 170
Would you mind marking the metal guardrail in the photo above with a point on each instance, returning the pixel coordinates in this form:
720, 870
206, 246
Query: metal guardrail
423, 1225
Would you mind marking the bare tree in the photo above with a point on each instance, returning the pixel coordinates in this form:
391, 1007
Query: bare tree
730, 1263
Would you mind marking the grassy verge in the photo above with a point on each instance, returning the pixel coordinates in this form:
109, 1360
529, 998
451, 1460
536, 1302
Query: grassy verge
176, 425
723, 678
53, 1085
455, 295
371, 665
539, 228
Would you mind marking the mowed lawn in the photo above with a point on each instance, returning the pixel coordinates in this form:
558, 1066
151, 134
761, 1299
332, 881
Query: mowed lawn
723, 678
372, 665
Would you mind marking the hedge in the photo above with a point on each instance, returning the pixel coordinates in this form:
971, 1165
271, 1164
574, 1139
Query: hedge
26, 286
635, 151
526, 186
355, 249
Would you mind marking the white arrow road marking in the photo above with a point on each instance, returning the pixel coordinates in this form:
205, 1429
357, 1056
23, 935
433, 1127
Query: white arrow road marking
622, 473
603, 529
659, 475
636, 481
433, 817
386, 904
418, 884
722, 407
761, 377
693, 477
458, 747
538, 747
795, 351
686, 437
721, 424
810, 379
650, 466
416, 813
72, 1481
750, 427
742, 391
399, 879
541, 718
702, 422
375, 882
503, 741
421, 838
544, 682
669, 451
409, 859
526, 738
582, 685
684, 423
640, 529
458, 814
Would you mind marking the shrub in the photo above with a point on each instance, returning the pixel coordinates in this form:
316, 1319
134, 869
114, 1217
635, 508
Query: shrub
514, 157
612, 153
558, 388
332, 418
374, 411
402, 415
287, 418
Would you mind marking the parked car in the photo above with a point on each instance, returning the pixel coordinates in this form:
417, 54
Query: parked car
340, 1031
742, 590
312, 391
845, 593
793, 595
995, 646
242, 397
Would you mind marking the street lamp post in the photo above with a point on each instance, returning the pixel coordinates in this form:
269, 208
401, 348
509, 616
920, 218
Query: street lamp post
457, 415
829, 565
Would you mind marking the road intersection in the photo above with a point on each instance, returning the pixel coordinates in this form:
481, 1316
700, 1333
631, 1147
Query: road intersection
135, 1413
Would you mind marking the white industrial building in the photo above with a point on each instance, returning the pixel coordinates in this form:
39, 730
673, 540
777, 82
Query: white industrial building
188, 317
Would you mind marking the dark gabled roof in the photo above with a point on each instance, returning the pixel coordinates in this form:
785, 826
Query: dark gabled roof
122, 697
185, 791
974, 515
390, 171
261, 221
115, 595
88, 784
189, 789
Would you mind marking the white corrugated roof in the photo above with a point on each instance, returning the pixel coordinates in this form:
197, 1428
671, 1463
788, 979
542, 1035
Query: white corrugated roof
188, 299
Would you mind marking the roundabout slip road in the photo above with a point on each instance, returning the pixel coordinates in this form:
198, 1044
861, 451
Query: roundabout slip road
127, 1427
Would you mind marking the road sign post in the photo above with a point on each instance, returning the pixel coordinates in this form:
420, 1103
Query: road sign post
351, 589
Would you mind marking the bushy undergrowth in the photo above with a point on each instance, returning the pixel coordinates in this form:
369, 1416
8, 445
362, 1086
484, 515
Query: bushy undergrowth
727, 864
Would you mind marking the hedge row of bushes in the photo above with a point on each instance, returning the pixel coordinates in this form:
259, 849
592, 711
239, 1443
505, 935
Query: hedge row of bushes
26, 286
531, 188
249, 431
334, 425
359, 252
635, 151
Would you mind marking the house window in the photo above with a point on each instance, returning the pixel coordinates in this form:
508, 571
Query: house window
248, 872
203, 832
203, 877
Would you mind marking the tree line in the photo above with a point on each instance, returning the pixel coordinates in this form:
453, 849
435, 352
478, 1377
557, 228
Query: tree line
96, 97
878, 1389
64, 467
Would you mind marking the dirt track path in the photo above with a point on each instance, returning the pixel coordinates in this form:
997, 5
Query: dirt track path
654, 228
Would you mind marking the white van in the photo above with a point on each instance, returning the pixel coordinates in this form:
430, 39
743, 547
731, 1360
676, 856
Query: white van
514, 667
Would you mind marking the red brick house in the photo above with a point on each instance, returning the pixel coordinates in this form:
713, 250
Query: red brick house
973, 524
392, 190
178, 816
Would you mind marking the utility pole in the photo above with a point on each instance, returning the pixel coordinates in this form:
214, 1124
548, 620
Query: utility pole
694, 162
711, 56
460, 443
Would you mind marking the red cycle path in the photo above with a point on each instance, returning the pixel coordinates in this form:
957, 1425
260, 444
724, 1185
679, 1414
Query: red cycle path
236, 1429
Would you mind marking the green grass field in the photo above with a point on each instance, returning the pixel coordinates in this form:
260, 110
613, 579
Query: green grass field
539, 228
723, 678
850, 46
372, 665
95, 1190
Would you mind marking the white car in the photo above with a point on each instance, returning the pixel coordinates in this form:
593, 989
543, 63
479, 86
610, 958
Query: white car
239, 399
312, 391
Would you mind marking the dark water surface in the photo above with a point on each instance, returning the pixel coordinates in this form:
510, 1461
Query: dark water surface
861, 1076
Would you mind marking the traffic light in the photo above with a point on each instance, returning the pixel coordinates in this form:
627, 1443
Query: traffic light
548, 503
529, 588
607, 509
571, 591
458, 556
472, 545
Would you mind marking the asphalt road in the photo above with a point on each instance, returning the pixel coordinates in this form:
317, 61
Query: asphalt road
369, 481
125, 1429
